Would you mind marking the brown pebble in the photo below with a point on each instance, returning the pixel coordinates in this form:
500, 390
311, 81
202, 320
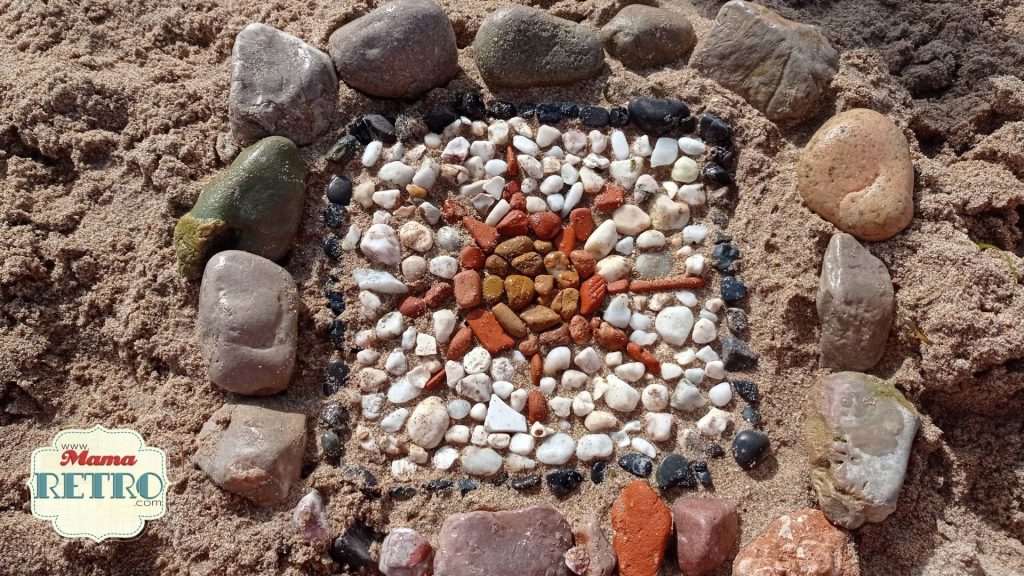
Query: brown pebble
436, 381
471, 258
582, 222
666, 284
539, 318
556, 336
579, 329
583, 262
556, 262
468, 289
459, 343
619, 286
486, 237
514, 246
530, 264
438, 294
494, 289
536, 406
536, 369
519, 290
412, 307
515, 223
497, 265
512, 172
610, 198
610, 337
545, 224
530, 345
509, 320
592, 293
488, 331
451, 211
567, 279
566, 303
543, 246
418, 286
544, 284
636, 352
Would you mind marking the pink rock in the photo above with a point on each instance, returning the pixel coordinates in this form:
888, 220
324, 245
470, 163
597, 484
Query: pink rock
311, 520
526, 542
592, 555
253, 451
801, 542
405, 552
706, 530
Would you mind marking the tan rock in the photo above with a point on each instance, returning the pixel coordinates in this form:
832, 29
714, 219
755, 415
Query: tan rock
856, 172
801, 542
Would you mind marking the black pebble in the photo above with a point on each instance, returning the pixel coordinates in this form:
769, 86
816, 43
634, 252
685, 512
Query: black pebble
722, 156
675, 471
733, 289
700, 470
528, 110
501, 110
499, 478
714, 450
715, 174
737, 320
725, 256
657, 115
597, 471
594, 116
569, 109
438, 118
339, 190
736, 354
525, 482
335, 417
637, 464
335, 376
471, 105
751, 414
562, 482
381, 128
330, 445
438, 485
466, 486
402, 493
353, 547
549, 113
336, 302
688, 124
344, 150
336, 332
368, 486
618, 117
747, 390
749, 448
714, 130
332, 247
333, 215
360, 130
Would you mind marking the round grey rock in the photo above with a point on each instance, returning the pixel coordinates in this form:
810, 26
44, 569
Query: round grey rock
280, 86
646, 36
521, 47
400, 50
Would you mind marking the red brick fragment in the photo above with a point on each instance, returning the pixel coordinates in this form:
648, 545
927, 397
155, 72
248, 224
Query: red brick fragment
486, 237
438, 294
666, 284
488, 331
582, 221
636, 352
460, 343
619, 286
412, 307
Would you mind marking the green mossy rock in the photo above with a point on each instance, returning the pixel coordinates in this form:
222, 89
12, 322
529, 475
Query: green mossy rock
255, 205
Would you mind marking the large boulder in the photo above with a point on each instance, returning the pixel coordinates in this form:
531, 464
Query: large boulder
253, 451
280, 86
855, 305
856, 172
522, 47
254, 205
248, 319
801, 542
646, 36
526, 542
860, 433
783, 68
400, 50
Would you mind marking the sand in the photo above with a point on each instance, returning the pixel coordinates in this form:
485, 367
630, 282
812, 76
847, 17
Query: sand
112, 115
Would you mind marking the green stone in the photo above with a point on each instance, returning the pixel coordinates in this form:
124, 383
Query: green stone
254, 205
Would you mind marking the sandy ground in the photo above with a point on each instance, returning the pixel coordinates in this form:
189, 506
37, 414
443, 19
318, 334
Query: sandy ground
110, 115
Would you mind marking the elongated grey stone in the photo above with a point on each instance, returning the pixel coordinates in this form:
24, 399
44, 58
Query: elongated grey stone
855, 305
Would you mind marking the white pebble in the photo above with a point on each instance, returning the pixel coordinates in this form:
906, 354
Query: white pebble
556, 450
655, 397
498, 441
522, 444
502, 418
644, 447
547, 135
480, 461
618, 313
626, 172
479, 436
556, 202
707, 354
720, 394
692, 194
444, 266
426, 345
599, 421
495, 167
588, 360
396, 173
582, 404
394, 421
372, 405
516, 463
556, 360
458, 409
483, 149
498, 132
625, 246
694, 375
536, 204
673, 324
650, 239
642, 146
403, 469
598, 141
547, 385
517, 400
620, 147
613, 359
602, 239
715, 369
670, 371
687, 397
572, 198
476, 387
502, 389
714, 422
704, 331
658, 426
620, 396
685, 170
372, 153
444, 324
687, 298
695, 265
402, 391
665, 152
525, 145
631, 371
455, 151
694, 234
428, 423
613, 267
458, 434
453, 372
691, 146
432, 140
594, 446
573, 379
560, 406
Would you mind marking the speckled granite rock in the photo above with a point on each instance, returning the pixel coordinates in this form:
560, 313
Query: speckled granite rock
860, 433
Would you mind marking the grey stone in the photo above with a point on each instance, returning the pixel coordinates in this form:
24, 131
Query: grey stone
646, 36
783, 68
280, 86
400, 50
521, 47
860, 430
654, 265
525, 542
855, 305
253, 451
248, 318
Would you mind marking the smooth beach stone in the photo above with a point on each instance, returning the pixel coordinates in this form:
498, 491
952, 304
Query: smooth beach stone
657, 115
750, 447
400, 50
254, 205
645, 36
783, 68
405, 552
248, 318
253, 451
279, 86
479, 543
855, 305
861, 430
801, 542
856, 172
706, 530
522, 47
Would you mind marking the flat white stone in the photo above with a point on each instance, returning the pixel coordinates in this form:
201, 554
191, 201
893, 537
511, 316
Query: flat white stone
516, 463
630, 220
644, 447
613, 359
691, 146
650, 239
658, 426
673, 324
670, 371
476, 387
402, 391
498, 441
556, 450
483, 149
694, 375
666, 150
404, 469
618, 312
497, 132
560, 406
598, 141
479, 436
428, 423
620, 146
458, 409
707, 354
502, 418
592, 181
601, 240
714, 422
655, 397
687, 397
380, 244
480, 461
502, 389
600, 421
594, 446
444, 457
694, 234
588, 360
620, 396
686, 298
643, 338
525, 145
444, 324
396, 173
630, 371
517, 400
419, 376
453, 372
625, 246
547, 385
390, 325
582, 404
426, 345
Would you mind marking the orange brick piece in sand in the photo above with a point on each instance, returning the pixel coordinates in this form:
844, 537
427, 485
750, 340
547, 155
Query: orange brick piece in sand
642, 525
676, 283
487, 330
